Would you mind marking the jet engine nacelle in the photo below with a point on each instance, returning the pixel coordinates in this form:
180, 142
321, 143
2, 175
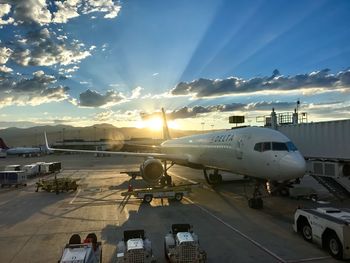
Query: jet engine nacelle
151, 171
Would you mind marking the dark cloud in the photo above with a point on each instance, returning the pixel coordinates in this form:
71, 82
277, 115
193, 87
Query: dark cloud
91, 98
209, 88
187, 112
31, 91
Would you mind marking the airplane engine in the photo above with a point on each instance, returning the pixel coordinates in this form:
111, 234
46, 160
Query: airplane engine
151, 171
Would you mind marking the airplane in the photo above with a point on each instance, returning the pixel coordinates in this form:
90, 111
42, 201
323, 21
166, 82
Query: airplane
263, 154
20, 151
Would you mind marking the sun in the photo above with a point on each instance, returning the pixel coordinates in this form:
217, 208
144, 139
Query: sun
155, 124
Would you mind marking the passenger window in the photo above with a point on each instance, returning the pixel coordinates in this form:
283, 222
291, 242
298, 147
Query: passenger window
266, 146
258, 147
279, 146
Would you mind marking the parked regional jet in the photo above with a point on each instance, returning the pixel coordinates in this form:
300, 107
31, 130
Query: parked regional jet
21, 151
260, 153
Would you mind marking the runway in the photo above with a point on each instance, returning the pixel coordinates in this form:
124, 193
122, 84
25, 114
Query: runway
34, 227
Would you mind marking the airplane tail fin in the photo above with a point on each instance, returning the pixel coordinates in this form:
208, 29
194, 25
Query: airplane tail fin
3, 145
166, 134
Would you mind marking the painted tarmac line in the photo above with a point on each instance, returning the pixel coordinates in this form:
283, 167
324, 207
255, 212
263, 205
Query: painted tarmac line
309, 259
184, 178
238, 232
76, 195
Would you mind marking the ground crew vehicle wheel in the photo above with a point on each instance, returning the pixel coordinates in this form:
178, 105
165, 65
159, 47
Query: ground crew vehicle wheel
93, 237
75, 239
165, 252
147, 198
306, 230
178, 196
335, 247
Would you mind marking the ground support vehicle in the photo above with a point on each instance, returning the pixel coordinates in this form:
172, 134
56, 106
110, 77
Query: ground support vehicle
298, 192
10, 178
182, 245
57, 185
172, 192
89, 251
135, 247
328, 227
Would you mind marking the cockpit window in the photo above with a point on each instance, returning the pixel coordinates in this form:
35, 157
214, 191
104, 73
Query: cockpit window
291, 147
276, 146
262, 146
258, 147
266, 146
279, 146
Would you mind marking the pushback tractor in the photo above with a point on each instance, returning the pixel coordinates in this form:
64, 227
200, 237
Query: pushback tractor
326, 226
181, 245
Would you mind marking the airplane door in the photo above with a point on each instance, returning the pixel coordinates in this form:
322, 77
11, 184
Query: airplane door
239, 152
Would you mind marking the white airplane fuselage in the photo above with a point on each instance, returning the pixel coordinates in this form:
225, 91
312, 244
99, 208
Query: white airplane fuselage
238, 151
23, 150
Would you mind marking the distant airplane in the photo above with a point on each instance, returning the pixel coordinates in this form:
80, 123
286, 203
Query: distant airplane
263, 154
21, 151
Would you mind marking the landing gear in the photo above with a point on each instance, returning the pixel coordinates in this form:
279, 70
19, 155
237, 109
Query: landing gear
256, 201
166, 179
213, 178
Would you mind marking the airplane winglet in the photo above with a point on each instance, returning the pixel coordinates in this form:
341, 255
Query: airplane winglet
46, 142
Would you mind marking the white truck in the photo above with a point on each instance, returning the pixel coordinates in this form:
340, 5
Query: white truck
182, 245
135, 247
326, 226
88, 251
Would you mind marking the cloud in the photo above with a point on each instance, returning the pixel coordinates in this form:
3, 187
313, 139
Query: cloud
5, 10
5, 69
136, 92
195, 111
31, 91
42, 48
322, 79
191, 112
91, 98
5, 54
40, 13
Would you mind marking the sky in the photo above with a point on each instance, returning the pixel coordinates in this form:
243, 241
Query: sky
83, 62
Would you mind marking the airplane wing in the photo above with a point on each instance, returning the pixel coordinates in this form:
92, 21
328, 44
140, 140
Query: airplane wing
161, 156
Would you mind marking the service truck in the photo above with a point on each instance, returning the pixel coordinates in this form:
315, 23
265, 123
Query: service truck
135, 247
327, 227
182, 245
16, 178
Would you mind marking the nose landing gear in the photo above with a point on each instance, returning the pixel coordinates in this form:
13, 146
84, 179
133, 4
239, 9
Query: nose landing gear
256, 201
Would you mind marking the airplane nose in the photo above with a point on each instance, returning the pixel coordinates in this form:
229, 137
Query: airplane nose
292, 166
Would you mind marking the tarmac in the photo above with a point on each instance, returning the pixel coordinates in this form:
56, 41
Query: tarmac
35, 226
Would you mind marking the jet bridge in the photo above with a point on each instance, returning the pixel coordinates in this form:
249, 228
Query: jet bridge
326, 148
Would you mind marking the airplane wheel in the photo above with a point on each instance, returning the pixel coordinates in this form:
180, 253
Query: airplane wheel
162, 181
335, 247
215, 178
147, 199
168, 180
